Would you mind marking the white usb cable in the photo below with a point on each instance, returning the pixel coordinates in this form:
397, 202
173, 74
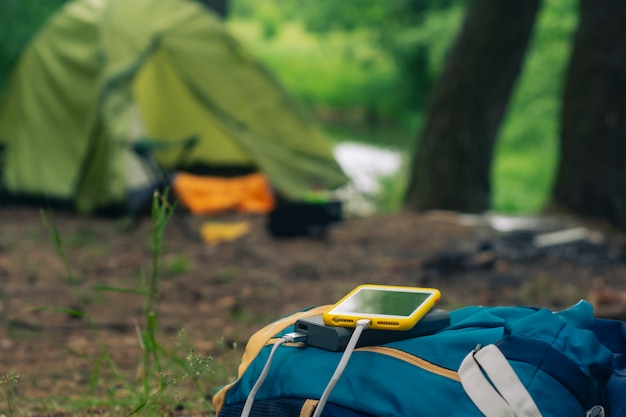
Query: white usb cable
290, 337
360, 326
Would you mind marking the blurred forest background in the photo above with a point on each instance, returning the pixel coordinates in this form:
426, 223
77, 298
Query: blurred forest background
514, 106
392, 73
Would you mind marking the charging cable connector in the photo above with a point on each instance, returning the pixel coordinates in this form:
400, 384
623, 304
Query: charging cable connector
361, 325
295, 337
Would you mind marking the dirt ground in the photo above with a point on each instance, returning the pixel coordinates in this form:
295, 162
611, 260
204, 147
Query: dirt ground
220, 294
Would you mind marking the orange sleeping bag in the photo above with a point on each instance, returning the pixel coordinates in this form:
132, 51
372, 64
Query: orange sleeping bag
203, 195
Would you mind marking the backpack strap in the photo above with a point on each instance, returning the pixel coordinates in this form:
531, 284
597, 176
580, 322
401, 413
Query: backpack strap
493, 386
540, 354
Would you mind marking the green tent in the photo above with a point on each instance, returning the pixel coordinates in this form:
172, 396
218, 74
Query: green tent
102, 74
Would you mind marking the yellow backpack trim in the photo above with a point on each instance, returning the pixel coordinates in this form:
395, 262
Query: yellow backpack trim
259, 340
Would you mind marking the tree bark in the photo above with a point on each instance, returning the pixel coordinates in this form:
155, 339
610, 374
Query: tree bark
452, 163
591, 175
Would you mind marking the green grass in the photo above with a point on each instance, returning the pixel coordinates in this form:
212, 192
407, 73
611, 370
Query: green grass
8, 392
177, 265
111, 389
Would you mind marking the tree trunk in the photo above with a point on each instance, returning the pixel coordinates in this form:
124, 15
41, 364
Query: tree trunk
452, 163
591, 176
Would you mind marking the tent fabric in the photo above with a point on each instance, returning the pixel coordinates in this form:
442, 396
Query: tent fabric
205, 195
103, 73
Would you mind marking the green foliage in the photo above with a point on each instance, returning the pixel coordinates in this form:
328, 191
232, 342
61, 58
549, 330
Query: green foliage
394, 137
392, 188
527, 150
333, 72
348, 61
270, 15
347, 55
370, 61
277, 10
395, 27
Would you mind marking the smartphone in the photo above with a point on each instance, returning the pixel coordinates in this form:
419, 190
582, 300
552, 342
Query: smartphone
387, 307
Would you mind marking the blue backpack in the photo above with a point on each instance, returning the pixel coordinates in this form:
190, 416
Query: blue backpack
490, 361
